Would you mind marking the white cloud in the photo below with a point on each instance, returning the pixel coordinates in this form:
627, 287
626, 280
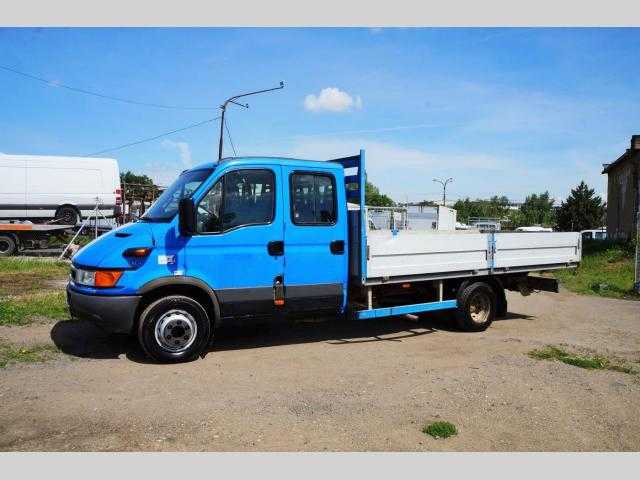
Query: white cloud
183, 149
162, 172
332, 99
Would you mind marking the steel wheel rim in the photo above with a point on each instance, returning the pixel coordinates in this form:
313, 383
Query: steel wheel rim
479, 307
68, 216
176, 330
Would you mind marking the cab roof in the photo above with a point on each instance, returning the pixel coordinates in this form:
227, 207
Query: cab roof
265, 160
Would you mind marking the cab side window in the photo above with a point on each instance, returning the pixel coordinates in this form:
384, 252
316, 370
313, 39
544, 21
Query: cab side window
313, 199
240, 198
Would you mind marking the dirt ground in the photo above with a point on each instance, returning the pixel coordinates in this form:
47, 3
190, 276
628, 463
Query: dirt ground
337, 386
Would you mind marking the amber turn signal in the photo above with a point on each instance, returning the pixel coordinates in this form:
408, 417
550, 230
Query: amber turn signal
107, 278
140, 252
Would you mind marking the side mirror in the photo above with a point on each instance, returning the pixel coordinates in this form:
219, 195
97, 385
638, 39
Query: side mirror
186, 217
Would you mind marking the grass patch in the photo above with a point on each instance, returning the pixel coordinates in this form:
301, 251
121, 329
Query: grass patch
10, 353
440, 429
63, 240
607, 270
23, 310
32, 265
595, 362
20, 276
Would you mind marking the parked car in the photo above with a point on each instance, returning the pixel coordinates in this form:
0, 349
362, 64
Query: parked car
594, 234
66, 189
535, 228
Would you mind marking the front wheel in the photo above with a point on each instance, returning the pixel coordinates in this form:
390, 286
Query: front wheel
477, 305
174, 329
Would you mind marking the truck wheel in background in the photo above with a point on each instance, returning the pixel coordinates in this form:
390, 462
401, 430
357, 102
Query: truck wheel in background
67, 215
8, 245
477, 305
175, 328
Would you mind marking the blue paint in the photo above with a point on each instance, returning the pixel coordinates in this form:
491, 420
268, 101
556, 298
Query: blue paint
405, 309
363, 219
237, 258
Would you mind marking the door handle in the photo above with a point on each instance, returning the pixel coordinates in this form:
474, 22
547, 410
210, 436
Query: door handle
276, 248
337, 247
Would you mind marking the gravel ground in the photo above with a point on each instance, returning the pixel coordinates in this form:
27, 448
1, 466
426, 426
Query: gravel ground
337, 386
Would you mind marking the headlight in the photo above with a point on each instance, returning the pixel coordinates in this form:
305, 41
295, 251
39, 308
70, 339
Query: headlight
97, 278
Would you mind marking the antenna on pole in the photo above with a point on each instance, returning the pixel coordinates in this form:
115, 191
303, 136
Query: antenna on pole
233, 99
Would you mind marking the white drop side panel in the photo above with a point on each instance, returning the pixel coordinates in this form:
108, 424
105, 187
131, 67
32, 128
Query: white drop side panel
520, 249
424, 252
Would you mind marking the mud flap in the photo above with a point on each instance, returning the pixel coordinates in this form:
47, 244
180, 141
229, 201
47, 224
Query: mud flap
541, 283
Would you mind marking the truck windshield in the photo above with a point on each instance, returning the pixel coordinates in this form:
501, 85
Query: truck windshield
166, 206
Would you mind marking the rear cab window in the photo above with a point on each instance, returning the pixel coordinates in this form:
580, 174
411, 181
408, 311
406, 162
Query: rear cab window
313, 198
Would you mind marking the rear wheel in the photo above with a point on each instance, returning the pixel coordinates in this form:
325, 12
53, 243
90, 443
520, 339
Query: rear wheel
477, 306
174, 329
67, 216
8, 246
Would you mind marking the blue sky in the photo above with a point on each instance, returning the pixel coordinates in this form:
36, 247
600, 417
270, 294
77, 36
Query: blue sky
502, 111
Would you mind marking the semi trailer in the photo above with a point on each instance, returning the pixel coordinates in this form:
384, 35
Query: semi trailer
257, 238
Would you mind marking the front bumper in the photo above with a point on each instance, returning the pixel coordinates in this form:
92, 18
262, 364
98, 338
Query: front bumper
115, 314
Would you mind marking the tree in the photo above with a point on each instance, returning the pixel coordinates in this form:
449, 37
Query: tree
137, 188
536, 210
374, 198
582, 210
495, 207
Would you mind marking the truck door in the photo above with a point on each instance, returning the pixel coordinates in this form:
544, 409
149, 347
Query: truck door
315, 240
237, 248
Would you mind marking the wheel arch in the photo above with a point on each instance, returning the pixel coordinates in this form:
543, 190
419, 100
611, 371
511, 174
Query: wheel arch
496, 284
189, 286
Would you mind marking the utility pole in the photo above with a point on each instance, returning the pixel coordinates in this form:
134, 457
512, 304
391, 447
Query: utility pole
444, 188
233, 99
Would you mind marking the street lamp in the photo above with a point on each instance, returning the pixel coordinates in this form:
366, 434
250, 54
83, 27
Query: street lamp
444, 188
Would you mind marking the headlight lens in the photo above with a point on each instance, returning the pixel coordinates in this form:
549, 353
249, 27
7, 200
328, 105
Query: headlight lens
85, 277
97, 278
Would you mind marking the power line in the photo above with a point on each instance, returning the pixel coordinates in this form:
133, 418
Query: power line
100, 95
137, 142
226, 126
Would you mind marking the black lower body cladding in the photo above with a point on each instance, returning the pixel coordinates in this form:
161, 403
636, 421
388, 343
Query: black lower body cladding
114, 314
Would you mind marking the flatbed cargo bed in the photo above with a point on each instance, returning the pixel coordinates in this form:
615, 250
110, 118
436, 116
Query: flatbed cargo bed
430, 255
378, 256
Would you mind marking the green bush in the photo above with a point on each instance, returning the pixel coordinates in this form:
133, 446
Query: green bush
440, 429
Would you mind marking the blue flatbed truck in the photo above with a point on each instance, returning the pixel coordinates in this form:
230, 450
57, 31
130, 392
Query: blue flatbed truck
263, 238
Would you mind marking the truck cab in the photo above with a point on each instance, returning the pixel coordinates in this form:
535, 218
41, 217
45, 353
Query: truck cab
242, 238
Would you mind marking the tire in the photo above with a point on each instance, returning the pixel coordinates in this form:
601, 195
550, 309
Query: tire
67, 216
8, 245
174, 329
477, 307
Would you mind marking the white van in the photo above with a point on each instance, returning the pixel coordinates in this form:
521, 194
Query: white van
66, 189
